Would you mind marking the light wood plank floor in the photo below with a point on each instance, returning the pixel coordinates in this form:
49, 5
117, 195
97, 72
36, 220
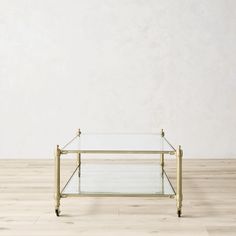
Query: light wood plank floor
27, 206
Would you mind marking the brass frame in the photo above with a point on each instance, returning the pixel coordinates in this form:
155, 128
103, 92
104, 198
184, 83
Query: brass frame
178, 153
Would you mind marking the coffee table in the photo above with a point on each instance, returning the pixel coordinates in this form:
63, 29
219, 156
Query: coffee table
119, 178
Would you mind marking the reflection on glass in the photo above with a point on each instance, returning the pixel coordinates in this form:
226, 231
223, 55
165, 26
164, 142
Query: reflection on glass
119, 142
103, 178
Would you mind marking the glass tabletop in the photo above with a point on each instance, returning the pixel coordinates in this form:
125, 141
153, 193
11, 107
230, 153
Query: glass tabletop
119, 142
119, 178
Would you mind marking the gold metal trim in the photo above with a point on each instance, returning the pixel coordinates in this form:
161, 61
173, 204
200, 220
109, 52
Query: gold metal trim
65, 195
117, 152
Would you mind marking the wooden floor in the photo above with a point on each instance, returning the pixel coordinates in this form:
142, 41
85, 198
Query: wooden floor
27, 206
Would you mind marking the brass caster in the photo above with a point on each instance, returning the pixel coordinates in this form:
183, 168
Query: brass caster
179, 213
57, 211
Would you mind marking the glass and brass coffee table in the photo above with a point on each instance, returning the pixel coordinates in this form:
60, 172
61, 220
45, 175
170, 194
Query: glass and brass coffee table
119, 179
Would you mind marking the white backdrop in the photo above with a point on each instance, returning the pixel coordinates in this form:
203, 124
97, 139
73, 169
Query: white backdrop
117, 66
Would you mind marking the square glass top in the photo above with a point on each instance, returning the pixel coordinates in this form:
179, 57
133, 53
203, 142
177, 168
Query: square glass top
119, 142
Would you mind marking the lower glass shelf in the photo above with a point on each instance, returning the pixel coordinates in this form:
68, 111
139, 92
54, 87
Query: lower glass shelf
118, 179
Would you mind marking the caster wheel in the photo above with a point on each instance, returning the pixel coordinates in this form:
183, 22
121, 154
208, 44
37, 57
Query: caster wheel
179, 213
57, 211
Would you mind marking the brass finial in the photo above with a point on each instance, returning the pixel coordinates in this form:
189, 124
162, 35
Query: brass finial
162, 133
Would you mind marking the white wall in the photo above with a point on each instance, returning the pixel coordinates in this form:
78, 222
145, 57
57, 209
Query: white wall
115, 66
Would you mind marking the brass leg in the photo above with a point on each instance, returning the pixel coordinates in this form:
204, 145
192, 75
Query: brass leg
79, 154
179, 194
162, 160
79, 170
162, 170
57, 180
79, 161
162, 154
162, 174
79, 164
